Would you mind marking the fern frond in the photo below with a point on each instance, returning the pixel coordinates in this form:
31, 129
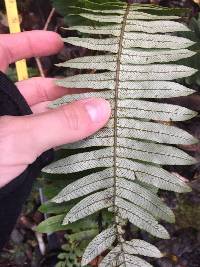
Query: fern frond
90, 205
137, 26
88, 184
131, 57
139, 247
144, 198
124, 260
132, 40
99, 244
137, 62
135, 15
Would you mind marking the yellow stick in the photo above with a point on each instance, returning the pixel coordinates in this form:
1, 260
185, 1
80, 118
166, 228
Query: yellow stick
14, 26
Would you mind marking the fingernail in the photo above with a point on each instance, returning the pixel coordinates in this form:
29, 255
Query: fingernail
98, 110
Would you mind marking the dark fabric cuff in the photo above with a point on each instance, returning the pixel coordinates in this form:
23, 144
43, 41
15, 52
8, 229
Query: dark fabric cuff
14, 195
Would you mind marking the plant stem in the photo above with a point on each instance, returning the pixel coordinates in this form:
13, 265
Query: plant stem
38, 61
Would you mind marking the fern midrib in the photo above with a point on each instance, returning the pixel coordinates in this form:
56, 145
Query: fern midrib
119, 237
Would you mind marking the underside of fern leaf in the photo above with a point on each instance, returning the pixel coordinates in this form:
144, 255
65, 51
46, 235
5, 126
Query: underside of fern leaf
136, 64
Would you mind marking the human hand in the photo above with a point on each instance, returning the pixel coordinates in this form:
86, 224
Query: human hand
24, 138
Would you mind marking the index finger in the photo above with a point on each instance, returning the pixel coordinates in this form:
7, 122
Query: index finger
17, 46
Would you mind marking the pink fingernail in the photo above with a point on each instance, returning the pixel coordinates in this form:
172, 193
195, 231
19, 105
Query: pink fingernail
97, 110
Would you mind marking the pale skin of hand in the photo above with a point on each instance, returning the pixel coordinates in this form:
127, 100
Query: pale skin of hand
24, 138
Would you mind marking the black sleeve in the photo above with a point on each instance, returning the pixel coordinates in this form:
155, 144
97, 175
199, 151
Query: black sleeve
13, 195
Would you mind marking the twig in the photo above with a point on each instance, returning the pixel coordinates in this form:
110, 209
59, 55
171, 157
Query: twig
31, 226
39, 65
49, 19
41, 242
38, 61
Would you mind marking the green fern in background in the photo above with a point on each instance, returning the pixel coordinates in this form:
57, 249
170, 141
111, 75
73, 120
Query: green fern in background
138, 49
75, 246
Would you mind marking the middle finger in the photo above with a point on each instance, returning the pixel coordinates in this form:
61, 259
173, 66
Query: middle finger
37, 90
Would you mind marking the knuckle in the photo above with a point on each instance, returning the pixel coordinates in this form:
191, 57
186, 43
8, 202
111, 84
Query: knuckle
41, 90
5, 122
6, 135
71, 116
12, 135
6, 53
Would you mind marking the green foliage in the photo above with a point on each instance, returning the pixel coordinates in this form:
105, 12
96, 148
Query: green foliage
75, 246
13, 74
54, 208
194, 61
71, 10
52, 224
77, 239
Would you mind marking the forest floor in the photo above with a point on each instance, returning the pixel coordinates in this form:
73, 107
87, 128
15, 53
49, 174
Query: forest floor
183, 250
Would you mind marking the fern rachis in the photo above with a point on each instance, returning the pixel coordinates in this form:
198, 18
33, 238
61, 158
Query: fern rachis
131, 148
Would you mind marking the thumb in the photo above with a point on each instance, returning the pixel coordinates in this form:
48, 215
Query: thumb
67, 124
